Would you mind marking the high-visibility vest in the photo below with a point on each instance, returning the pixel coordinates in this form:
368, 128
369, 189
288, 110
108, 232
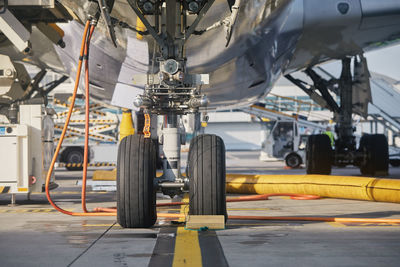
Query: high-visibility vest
331, 137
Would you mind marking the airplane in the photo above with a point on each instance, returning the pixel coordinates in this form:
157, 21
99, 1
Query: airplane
179, 57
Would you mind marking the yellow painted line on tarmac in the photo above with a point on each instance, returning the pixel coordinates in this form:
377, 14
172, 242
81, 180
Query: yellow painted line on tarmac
98, 225
28, 210
187, 247
72, 192
256, 224
336, 224
239, 209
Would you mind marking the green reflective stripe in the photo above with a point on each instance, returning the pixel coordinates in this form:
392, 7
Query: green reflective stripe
331, 137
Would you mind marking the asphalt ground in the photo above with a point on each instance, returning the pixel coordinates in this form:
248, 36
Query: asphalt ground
34, 234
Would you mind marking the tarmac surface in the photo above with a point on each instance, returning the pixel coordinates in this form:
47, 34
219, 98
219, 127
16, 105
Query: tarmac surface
34, 234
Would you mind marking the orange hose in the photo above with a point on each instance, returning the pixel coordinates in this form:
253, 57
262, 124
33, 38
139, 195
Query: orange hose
272, 218
50, 171
321, 219
87, 105
234, 199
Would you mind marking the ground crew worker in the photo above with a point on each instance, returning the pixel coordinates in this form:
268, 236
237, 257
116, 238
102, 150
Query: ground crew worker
329, 133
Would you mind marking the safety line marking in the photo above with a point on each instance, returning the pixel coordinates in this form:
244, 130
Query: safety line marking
337, 224
72, 192
28, 211
256, 209
97, 164
4, 189
187, 246
260, 224
98, 225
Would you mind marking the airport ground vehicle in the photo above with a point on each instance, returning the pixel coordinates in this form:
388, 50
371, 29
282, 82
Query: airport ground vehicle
104, 127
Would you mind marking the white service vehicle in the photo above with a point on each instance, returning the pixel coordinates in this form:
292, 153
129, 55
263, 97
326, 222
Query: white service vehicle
26, 150
283, 141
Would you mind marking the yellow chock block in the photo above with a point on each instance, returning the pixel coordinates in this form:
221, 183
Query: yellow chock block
102, 175
198, 222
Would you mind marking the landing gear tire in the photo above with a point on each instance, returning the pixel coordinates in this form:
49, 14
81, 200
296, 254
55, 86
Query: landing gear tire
376, 149
293, 160
207, 189
319, 154
136, 195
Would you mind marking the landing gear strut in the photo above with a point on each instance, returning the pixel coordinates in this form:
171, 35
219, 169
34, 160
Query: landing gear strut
171, 93
372, 154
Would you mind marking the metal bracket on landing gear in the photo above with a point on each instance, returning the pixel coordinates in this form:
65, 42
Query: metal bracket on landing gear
172, 188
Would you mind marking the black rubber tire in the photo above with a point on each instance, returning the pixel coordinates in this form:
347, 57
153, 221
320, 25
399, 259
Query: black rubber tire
293, 160
136, 170
319, 155
376, 149
73, 155
207, 176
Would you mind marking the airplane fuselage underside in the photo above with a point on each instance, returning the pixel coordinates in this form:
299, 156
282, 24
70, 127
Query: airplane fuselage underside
269, 38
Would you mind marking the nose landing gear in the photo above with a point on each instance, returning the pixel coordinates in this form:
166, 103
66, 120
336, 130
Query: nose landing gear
172, 93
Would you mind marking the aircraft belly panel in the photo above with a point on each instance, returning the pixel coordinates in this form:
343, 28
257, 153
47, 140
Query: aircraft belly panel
378, 14
250, 74
255, 20
328, 34
333, 32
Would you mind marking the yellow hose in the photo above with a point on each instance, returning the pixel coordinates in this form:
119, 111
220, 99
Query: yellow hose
361, 188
